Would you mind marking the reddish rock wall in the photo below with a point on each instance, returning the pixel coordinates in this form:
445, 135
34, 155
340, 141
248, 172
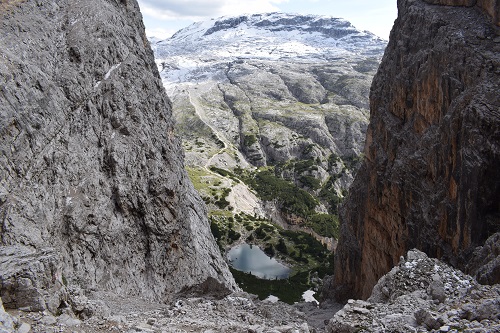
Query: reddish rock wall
431, 176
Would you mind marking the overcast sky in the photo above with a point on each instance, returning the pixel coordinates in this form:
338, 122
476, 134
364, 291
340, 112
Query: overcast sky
164, 17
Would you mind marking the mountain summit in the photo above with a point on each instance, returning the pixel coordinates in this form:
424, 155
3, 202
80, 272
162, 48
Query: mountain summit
272, 36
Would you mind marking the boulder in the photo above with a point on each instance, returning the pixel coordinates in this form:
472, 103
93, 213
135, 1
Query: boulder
31, 279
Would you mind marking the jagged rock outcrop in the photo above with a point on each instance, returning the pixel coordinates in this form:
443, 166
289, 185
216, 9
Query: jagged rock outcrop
92, 179
31, 278
422, 294
485, 261
430, 178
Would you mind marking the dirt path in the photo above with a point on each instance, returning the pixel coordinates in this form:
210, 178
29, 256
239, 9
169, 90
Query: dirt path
240, 197
194, 96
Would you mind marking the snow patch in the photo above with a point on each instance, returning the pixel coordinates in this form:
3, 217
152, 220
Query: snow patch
308, 296
410, 264
271, 299
116, 66
191, 55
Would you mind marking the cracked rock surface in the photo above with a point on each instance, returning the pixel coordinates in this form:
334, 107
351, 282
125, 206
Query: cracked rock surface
93, 192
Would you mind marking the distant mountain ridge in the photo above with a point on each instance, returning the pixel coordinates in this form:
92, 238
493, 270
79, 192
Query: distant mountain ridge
328, 26
272, 36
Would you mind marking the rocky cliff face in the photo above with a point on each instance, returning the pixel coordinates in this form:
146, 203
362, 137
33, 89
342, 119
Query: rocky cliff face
430, 179
93, 191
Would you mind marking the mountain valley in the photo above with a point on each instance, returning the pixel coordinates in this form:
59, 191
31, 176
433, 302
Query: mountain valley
272, 110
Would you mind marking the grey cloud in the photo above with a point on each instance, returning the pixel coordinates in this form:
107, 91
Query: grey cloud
187, 7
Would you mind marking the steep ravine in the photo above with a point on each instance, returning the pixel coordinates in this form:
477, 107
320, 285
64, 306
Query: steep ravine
430, 178
93, 192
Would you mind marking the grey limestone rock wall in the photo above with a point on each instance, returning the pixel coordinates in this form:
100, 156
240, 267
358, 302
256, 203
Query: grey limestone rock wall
89, 163
31, 278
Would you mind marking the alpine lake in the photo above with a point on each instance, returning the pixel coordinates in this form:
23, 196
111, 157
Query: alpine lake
251, 259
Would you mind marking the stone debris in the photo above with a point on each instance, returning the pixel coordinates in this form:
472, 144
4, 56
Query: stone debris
238, 312
420, 295
6, 321
11, 324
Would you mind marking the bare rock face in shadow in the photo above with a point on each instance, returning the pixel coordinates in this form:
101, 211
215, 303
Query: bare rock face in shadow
430, 178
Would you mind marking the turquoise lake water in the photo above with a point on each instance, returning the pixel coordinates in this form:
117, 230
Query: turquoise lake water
251, 259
